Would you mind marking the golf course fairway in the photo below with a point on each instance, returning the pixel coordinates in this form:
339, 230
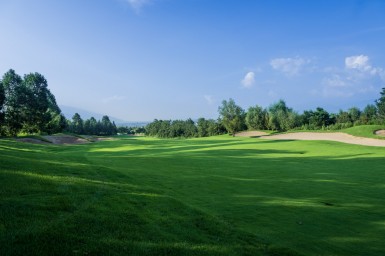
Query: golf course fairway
219, 195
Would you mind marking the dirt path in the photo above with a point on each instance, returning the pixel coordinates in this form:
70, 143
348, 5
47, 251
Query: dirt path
336, 136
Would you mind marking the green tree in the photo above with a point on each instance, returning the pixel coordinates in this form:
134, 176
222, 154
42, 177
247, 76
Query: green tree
15, 102
107, 128
320, 118
343, 117
190, 130
282, 118
203, 127
369, 114
256, 118
215, 128
57, 124
77, 124
232, 116
41, 104
354, 114
380, 103
2, 99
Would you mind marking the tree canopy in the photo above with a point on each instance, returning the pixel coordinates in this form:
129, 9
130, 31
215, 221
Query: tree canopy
232, 116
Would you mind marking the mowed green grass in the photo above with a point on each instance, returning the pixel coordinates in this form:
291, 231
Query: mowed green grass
210, 196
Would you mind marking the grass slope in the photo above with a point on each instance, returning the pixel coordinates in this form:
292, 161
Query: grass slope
365, 131
209, 196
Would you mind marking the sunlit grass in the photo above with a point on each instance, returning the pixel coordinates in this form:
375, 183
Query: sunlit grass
208, 196
365, 131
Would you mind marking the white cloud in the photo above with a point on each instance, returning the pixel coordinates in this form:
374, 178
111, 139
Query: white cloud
360, 62
248, 81
209, 99
138, 4
113, 98
357, 62
289, 66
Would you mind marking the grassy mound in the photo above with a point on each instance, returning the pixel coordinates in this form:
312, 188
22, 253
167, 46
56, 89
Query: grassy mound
367, 131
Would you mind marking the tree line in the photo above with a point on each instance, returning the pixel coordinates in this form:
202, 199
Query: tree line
278, 117
91, 126
184, 128
28, 106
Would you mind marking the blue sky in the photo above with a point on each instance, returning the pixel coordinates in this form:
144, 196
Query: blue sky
174, 59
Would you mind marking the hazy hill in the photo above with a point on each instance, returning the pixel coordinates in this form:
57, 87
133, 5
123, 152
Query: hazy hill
68, 112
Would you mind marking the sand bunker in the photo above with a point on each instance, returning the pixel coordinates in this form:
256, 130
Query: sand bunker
55, 139
251, 134
336, 136
65, 139
31, 140
380, 133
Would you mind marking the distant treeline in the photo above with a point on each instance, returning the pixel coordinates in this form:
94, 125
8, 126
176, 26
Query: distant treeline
184, 129
28, 106
277, 117
91, 126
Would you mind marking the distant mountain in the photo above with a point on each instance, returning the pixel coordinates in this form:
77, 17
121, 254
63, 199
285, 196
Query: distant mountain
133, 124
69, 112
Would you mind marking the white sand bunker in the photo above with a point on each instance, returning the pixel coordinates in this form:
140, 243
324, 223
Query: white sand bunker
251, 134
380, 133
336, 136
55, 139
65, 139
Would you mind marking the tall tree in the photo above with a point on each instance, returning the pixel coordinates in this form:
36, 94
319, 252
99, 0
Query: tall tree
203, 127
343, 117
42, 107
107, 127
354, 114
320, 118
380, 103
232, 116
2, 99
15, 103
77, 124
281, 117
369, 114
256, 118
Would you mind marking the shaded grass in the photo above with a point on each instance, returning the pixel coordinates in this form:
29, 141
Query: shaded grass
208, 196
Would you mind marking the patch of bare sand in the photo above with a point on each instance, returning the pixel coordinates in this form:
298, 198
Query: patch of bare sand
31, 140
380, 132
250, 134
336, 136
65, 139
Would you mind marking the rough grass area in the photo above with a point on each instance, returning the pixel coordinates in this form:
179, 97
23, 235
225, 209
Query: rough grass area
209, 196
365, 131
